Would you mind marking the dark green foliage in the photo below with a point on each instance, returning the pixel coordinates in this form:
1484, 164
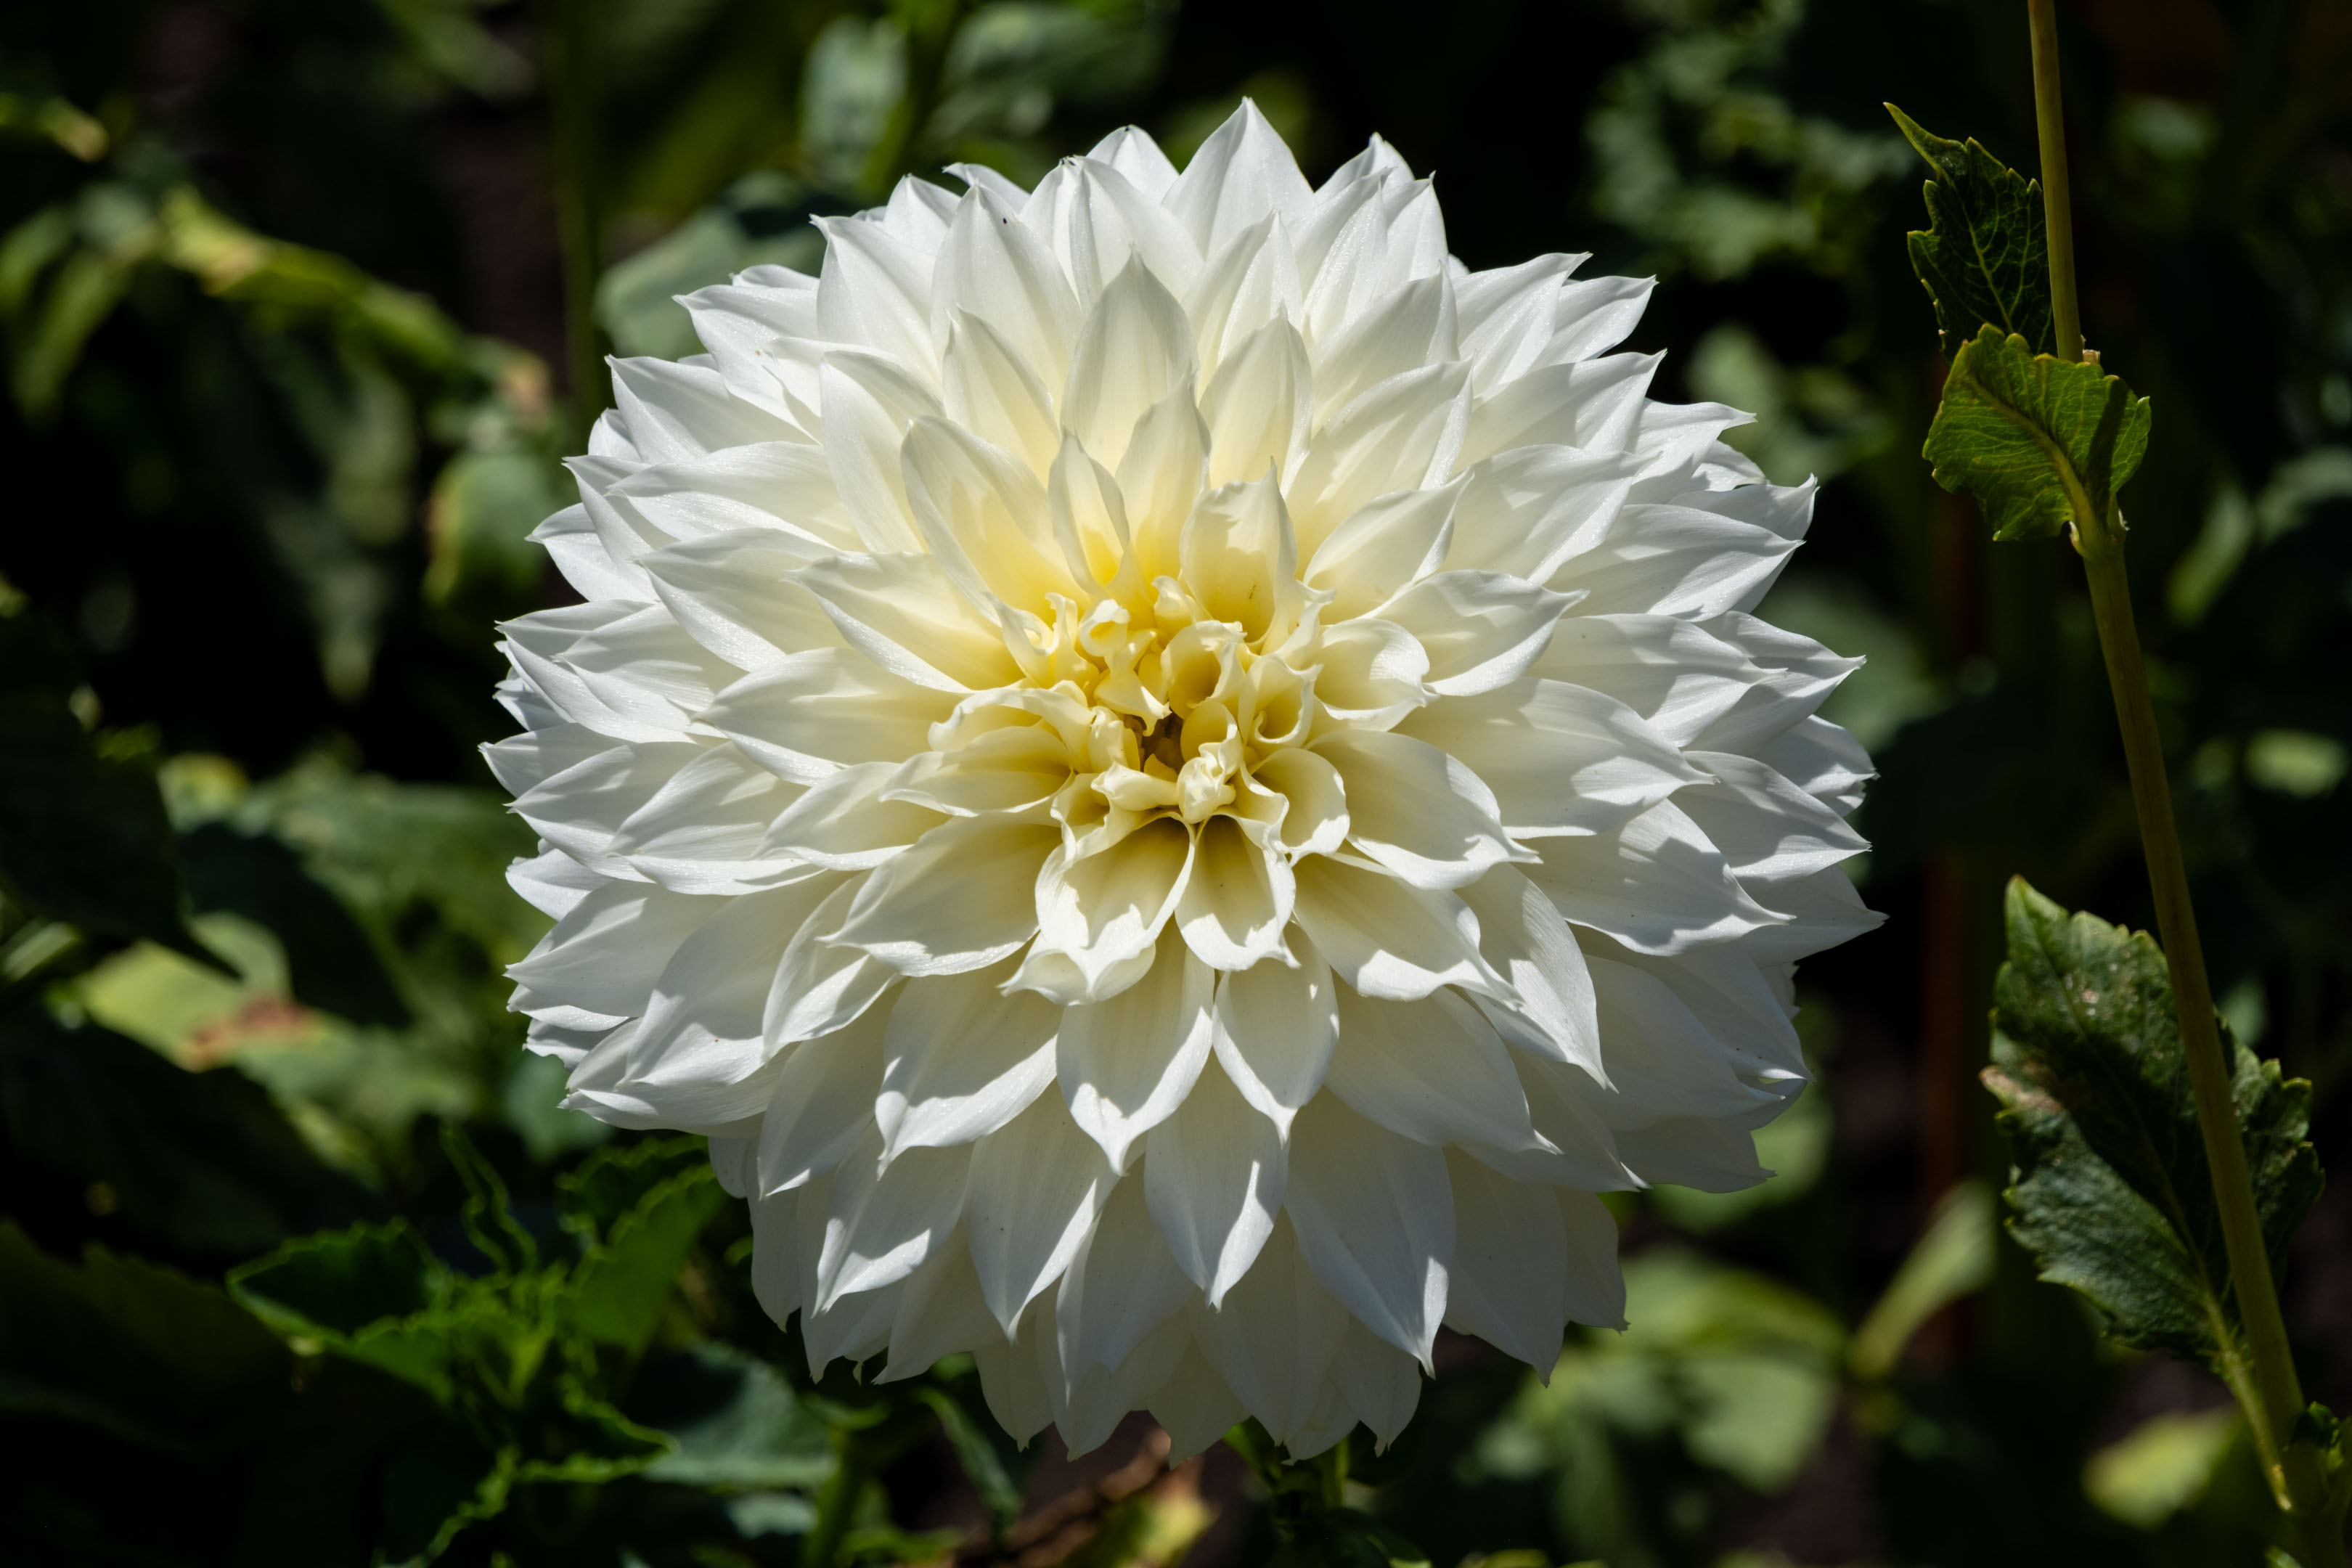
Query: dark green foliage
2040, 444
279, 307
329, 963
199, 1163
83, 838
2112, 1192
1984, 257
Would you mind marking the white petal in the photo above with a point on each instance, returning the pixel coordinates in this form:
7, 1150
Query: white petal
1375, 1222
732, 593
1433, 1070
681, 411
1560, 759
823, 1105
1126, 1063
883, 1223
1526, 511
984, 515
1421, 814
1276, 1028
579, 809
959, 900
703, 831
807, 715
1011, 1382
1103, 909
1661, 1059
820, 988
1393, 542
1242, 173
1135, 347
1239, 559
1315, 803
1373, 672
1194, 1406
993, 267
1273, 1340
606, 953
991, 391
1675, 675
1596, 1284
646, 668
1121, 1285
1379, 1382
1037, 1185
1237, 897
1655, 884
782, 489
1385, 937
1524, 937
1674, 560
1402, 434
1508, 1282
874, 290
1481, 629
1410, 327
1594, 314
941, 1313
1769, 830
965, 1058
1135, 155
843, 824
868, 402
1213, 1173
903, 612
702, 1019
1259, 405
1594, 405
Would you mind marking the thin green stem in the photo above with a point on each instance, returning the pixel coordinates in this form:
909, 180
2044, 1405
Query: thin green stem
2264, 1376
569, 60
2057, 208
836, 1502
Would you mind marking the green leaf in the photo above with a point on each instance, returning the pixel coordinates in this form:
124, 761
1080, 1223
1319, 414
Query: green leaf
126, 1346
1984, 257
983, 1466
2039, 442
735, 1420
375, 1294
205, 1160
2110, 1187
618, 1290
83, 836
330, 961
613, 1181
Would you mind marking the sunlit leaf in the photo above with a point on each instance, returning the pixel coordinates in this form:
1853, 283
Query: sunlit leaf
2039, 442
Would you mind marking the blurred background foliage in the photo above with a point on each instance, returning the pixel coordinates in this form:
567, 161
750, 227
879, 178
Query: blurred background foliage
303, 302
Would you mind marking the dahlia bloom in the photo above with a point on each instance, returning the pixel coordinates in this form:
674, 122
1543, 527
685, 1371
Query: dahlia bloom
1177, 781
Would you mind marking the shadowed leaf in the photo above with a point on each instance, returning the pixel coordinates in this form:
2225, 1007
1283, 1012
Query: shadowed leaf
2110, 1190
1984, 257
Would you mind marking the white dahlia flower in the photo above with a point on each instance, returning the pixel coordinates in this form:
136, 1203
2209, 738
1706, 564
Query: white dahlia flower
1177, 780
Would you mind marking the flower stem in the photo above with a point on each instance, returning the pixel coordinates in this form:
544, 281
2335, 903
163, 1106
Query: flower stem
2057, 208
2268, 1388
568, 56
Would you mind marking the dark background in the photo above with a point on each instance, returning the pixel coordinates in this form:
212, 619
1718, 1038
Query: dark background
298, 304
